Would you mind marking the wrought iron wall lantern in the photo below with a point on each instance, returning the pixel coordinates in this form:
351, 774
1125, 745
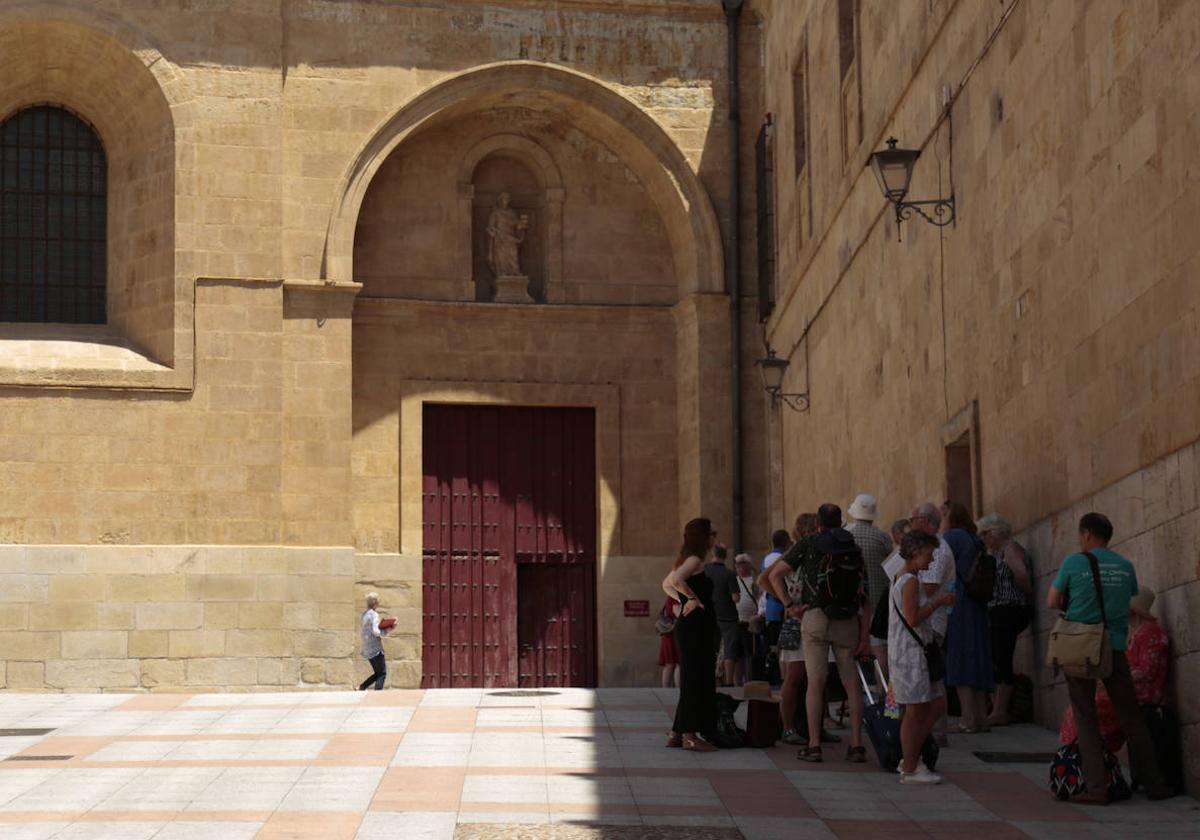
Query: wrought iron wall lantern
894, 167
772, 369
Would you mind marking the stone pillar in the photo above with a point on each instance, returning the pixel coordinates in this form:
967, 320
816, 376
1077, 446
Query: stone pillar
703, 407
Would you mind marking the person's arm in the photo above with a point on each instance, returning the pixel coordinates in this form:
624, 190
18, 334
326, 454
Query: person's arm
914, 613
763, 581
375, 631
766, 581
936, 575
793, 608
735, 588
675, 584
1015, 558
1054, 599
777, 585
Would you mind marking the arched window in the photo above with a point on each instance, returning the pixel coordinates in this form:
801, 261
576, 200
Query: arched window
53, 189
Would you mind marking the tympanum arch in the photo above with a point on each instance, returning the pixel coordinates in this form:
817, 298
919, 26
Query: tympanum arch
626, 129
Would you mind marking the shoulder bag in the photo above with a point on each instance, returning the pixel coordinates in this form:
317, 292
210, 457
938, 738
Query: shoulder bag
1083, 650
789, 635
665, 625
934, 660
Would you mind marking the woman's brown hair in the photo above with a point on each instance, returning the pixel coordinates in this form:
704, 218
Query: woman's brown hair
955, 515
695, 540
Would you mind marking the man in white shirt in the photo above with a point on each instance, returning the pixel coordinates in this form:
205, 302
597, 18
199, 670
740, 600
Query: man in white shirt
939, 577
372, 645
747, 608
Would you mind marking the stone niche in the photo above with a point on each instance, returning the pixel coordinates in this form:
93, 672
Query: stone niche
513, 166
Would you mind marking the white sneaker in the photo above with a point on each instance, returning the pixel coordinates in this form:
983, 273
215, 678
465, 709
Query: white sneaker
921, 776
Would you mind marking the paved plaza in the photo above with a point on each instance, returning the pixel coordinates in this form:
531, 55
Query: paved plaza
436, 765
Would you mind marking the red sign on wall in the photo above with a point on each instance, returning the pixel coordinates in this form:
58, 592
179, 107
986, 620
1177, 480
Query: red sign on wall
637, 609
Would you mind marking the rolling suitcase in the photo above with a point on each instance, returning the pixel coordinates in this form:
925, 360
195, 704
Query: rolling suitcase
883, 731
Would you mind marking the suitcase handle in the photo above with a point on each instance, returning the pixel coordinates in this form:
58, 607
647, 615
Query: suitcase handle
863, 679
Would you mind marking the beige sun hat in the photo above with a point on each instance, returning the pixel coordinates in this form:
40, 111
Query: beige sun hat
863, 507
1142, 601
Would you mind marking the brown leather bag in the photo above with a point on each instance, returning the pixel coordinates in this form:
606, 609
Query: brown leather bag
1083, 650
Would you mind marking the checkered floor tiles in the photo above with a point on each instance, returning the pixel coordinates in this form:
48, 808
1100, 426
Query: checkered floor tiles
439, 765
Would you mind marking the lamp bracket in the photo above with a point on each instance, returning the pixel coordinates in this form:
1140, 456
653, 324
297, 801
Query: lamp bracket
796, 402
941, 211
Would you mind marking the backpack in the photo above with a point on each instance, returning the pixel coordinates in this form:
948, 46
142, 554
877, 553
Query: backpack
840, 574
802, 580
727, 734
981, 580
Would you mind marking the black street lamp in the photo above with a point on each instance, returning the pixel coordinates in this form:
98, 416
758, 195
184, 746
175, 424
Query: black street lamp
893, 168
772, 368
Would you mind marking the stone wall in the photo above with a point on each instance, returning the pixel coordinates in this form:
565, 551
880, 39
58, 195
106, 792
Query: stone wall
221, 431
1059, 312
83, 618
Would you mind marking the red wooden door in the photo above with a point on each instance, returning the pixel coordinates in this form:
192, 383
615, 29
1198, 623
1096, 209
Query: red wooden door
509, 502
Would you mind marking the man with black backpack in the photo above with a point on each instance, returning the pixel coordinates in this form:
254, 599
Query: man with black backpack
832, 614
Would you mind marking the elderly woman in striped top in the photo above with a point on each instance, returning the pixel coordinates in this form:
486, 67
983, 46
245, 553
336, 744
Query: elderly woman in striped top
1009, 610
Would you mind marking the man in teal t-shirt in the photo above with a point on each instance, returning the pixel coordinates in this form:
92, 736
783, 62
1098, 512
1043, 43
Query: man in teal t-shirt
1075, 586
1118, 580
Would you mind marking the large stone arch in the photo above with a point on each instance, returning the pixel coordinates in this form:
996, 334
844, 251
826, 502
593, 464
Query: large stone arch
107, 71
626, 129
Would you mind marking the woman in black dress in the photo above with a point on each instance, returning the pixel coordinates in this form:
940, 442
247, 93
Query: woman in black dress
695, 631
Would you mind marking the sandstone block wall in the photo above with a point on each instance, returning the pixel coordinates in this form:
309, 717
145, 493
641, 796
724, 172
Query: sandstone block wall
242, 411
195, 618
1061, 309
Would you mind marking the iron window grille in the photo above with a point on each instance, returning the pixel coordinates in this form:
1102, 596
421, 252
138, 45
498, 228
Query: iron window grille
53, 225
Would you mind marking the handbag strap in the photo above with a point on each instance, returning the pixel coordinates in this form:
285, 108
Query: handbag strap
1095, 564
904, 621
745, 588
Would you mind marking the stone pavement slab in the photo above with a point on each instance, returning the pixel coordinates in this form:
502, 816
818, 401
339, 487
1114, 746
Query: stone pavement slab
439, 765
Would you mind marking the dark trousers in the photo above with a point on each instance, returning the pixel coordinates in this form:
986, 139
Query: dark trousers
697, 708
1133, 724
379, 666
1007, 622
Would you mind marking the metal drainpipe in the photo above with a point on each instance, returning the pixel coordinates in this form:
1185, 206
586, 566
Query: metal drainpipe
733, 265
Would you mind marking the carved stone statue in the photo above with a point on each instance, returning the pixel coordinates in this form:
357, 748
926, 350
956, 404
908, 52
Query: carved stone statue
506, 231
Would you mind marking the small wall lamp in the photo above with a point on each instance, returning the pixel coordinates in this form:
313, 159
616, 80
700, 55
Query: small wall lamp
772, 369
894, 167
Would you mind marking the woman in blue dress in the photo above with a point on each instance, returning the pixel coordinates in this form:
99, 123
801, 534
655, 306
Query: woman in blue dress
968, 638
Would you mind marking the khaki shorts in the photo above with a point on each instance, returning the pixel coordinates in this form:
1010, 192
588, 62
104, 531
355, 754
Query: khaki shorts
818, 633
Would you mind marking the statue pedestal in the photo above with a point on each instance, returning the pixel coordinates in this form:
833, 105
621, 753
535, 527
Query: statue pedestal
512, 288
